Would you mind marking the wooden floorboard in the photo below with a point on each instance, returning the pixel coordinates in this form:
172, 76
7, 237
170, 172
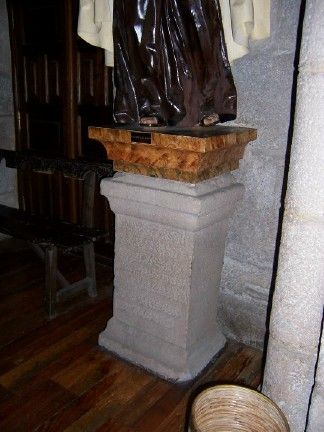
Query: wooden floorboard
54, 377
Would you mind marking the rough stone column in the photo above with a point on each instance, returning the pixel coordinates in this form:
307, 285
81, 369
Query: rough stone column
169, 250
316, 412
299, 294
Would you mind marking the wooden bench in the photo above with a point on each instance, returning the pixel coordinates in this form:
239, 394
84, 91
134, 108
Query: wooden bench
47, 235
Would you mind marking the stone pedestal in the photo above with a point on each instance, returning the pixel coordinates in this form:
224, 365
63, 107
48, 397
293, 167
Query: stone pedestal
170, 239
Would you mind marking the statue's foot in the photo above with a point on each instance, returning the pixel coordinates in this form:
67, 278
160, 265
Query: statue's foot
149, 121
210, 120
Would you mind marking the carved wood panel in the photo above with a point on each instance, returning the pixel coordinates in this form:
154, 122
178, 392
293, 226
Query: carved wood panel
61, 86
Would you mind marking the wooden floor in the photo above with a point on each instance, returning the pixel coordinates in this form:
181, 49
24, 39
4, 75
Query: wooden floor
54, 377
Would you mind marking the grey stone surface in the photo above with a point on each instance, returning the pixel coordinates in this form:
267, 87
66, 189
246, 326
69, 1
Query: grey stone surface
8, 180
316, 412
258, 214
301, 201
239, 316
5, 66
297, 307
6, 97
287, 389
7, 132
7, 175
299, 291
169, 250
264, 81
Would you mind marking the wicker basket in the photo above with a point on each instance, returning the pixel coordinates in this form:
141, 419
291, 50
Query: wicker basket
232, 408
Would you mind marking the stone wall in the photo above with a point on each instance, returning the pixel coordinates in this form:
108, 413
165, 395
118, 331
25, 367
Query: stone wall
8, 182
264, 80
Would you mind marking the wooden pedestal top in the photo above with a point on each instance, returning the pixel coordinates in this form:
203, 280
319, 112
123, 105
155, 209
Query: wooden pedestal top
189, 155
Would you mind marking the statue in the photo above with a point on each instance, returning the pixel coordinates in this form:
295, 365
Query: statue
171, 66
170, 56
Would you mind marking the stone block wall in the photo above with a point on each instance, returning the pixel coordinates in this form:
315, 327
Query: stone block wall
8, 181
264, 80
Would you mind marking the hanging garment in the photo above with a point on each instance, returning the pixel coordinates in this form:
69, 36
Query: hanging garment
95, 25
244, 20
171, 62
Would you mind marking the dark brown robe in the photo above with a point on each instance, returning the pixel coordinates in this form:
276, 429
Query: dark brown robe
171, 62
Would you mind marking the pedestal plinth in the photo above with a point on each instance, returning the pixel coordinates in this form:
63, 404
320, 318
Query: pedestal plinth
170, 240
189, 155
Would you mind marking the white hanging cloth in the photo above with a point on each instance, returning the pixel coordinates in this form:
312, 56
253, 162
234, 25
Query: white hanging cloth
243, 20
95, 25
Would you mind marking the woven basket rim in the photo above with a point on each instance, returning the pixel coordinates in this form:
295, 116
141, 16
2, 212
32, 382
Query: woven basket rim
241, 388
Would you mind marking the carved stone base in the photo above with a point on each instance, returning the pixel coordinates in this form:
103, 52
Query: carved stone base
170, 240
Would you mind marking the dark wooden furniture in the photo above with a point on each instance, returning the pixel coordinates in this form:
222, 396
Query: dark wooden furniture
61, 86
47, 235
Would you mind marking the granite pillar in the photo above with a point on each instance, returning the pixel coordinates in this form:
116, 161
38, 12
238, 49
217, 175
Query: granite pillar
293, 357
170, 240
